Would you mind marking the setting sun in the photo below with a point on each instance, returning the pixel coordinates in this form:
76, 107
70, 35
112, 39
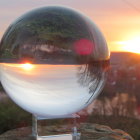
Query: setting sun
27, 66
132, 45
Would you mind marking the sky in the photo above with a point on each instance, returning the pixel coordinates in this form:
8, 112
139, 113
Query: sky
118, 20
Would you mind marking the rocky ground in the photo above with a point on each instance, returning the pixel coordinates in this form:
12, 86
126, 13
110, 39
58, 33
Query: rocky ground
88, 132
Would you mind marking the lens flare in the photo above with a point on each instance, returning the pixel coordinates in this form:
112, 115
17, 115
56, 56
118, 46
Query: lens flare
84, 47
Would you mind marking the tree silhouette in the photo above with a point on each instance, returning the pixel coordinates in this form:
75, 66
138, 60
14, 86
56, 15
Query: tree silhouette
91, 74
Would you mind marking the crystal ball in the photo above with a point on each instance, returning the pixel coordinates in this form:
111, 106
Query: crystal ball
53, 61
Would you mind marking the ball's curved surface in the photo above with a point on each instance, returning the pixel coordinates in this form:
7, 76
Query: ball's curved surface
67, 61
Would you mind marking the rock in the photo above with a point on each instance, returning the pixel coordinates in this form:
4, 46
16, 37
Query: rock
88, 132
18, 134
123, 134
102, 132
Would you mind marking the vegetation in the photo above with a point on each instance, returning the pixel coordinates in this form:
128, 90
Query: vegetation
129, 125
52, 26
12, 116
1, 88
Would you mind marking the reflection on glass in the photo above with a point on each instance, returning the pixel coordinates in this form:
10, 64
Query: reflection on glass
51, 89
42, 33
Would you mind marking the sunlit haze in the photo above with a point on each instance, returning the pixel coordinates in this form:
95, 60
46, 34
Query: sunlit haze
24, 66
118, 20
132, 45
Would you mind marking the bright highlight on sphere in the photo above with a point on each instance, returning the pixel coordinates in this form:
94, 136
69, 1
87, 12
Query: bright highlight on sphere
27, 66
68, 59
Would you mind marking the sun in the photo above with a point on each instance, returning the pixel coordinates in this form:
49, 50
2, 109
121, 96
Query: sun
27, 66
132, 45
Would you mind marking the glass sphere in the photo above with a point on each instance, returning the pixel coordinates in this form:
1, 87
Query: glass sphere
53, 61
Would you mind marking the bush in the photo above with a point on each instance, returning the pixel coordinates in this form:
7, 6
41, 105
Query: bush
1, 88
12, 116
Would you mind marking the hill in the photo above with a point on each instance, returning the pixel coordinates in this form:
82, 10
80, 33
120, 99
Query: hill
124, 57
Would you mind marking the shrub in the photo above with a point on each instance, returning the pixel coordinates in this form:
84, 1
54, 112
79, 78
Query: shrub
12, 116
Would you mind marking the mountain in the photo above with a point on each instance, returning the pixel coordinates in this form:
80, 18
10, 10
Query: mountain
124, 58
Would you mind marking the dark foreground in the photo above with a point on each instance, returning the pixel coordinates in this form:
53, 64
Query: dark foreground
88, 132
